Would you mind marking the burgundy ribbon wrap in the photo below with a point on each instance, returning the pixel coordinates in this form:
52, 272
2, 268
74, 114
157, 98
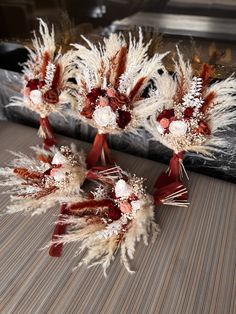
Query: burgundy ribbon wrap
49, 139
99, 144
170, 182
60, 229
175, 166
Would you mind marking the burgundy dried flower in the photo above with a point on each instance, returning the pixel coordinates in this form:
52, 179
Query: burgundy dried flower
124, 118
203, 128
166, 113
114, 213
51, 96
88, 111
188, 112
41, 84
95, 93
33, 84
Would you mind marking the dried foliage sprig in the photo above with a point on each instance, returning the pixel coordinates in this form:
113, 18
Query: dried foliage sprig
117, 215
191, 113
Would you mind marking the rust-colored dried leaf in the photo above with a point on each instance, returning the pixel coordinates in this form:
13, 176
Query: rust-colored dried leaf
180, 91
88, 111
25, 174
45, 192
124, 229
45, 61
84, 86
206, 74
134, 92
92, 220
207, 102
101, 71
90, 204
44, 159
121, 65
118, 101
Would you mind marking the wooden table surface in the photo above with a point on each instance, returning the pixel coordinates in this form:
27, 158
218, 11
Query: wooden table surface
189, 269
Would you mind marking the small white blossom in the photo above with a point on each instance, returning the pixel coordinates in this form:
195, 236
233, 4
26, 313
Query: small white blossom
59, 159
160, 129
178, 128
58, 174
36, 97
100, 193
136, 205
104, 116
112, 228
122, 189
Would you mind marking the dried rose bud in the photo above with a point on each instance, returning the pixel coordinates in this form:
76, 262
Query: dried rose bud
104, 116
122, 189
203, 128
178, 128
114, 213
59, 159
164, 122
103, 101
188, 112
111, 92
36, 96
33, 84
51, 96
95, 93
125, 207
166, 113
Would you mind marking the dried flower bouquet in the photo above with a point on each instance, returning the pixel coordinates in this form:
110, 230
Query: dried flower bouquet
117, 214
191, 112
111, 79
46, 84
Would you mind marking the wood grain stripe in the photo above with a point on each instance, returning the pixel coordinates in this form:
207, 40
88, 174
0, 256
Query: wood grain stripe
189, 269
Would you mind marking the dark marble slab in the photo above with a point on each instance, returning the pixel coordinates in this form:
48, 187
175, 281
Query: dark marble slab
222, 165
